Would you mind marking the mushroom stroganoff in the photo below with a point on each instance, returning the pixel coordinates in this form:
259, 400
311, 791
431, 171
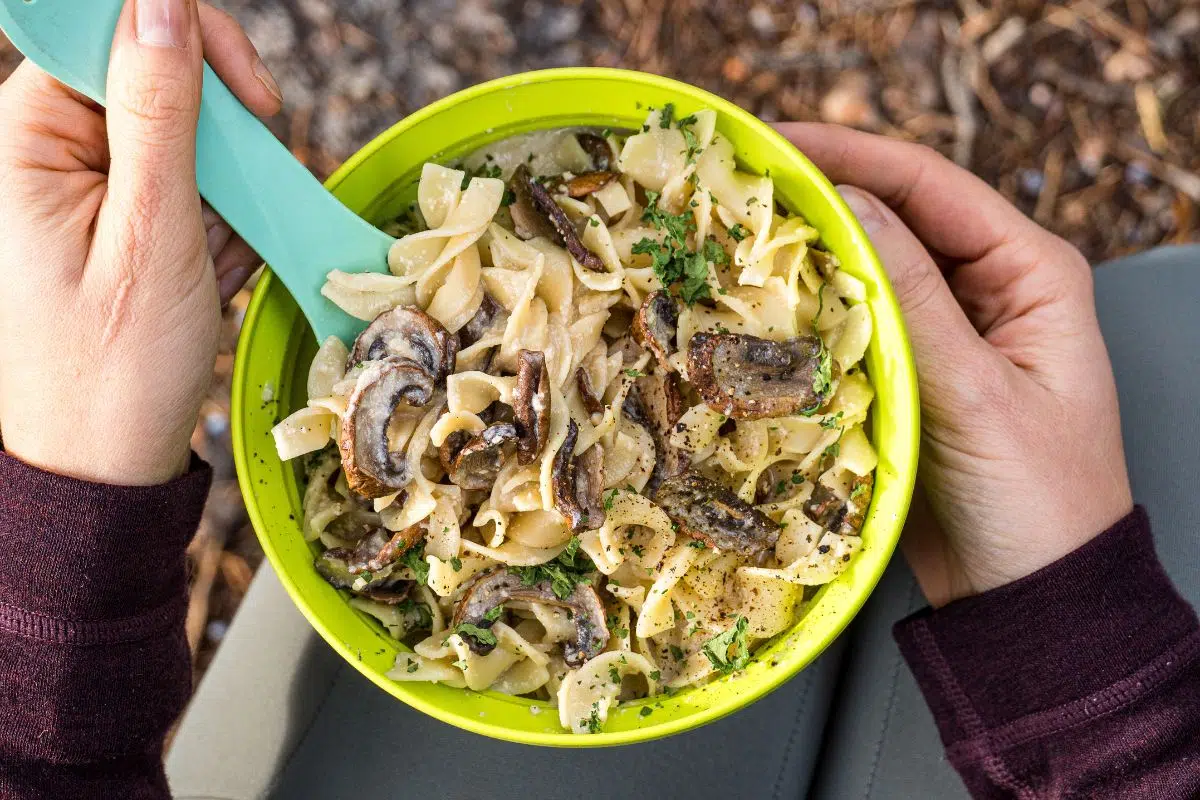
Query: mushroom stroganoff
604, 432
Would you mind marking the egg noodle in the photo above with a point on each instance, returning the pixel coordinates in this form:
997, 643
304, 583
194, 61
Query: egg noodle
604, 433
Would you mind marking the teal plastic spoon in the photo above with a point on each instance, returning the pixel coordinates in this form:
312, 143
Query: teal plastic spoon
242, 170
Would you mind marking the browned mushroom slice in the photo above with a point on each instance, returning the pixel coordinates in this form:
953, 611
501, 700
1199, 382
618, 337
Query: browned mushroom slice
451, 446
588, 182
528, 221
654, 403
583, 607
832, 513
655, 326
578, 482
478, 463
490, 315
746, 377
396, 546
361, 570
598, 148
707, 511
544, 204
531, 405
407, 332
587, 395
372, 468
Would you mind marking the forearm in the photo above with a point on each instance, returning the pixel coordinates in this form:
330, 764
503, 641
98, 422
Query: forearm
93, 657
1082, 679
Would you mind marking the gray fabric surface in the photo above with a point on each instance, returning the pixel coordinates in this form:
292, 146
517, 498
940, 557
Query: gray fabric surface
279, 709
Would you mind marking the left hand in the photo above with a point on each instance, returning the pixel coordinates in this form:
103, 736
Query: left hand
113, 273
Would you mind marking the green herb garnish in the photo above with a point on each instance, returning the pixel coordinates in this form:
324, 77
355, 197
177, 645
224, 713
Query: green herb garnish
494, 613
564, 573
414, 559
481, 635
730, 651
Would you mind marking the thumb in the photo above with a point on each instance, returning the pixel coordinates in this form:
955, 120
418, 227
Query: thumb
154, 81
948, 351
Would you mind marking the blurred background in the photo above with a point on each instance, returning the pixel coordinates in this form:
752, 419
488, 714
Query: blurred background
1085, 113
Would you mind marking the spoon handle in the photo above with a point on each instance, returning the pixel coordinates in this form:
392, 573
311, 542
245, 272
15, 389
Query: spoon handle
242, 170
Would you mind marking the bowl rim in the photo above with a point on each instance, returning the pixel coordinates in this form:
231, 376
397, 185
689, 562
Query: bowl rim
748, 692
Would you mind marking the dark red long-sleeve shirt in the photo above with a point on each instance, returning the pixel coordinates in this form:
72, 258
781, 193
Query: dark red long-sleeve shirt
1079, 681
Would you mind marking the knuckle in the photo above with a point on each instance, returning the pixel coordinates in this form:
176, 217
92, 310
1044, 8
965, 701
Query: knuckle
917, 283
159, 101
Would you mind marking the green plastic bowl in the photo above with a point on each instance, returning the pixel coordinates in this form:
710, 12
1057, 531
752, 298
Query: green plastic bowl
277, 345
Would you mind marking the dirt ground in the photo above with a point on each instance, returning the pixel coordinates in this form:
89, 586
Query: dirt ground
1085, 113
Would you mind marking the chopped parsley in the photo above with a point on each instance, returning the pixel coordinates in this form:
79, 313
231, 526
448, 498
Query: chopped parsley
823, 377
614, 675
666, 116
592, 723
633, 373
608, 500
676, 652
595, 223
481, 635
829, 423
494, 613
738, 233
859, 490
646, 711
456, 563
414, 559
413, 666
485, 171
714, 252
689, 137
698, 544
656, 675
730, 651
564, 573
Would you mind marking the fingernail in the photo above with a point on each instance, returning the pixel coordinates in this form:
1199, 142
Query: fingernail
267, 79
863, 206
162, 23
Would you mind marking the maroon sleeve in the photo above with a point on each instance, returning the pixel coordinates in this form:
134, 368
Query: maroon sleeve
1081, 680
94, 664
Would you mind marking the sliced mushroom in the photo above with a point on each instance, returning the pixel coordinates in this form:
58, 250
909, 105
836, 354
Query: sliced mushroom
362, 570
451, 446
655, 326
587, 395
372, 469
598, 148
578, 482
542, 203
654, 403
528, 221
832, 513
582, 185
707, 511
399, 544
746, 377
531, 405
407, 332
478, 463
583, 607
490, 315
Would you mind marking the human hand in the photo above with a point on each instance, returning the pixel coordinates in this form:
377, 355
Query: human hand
113, 274
1021, 454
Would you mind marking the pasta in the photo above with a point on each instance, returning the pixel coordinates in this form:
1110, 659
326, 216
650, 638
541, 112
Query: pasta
605, 429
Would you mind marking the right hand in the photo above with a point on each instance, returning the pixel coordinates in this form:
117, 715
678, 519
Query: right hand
1021, 454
